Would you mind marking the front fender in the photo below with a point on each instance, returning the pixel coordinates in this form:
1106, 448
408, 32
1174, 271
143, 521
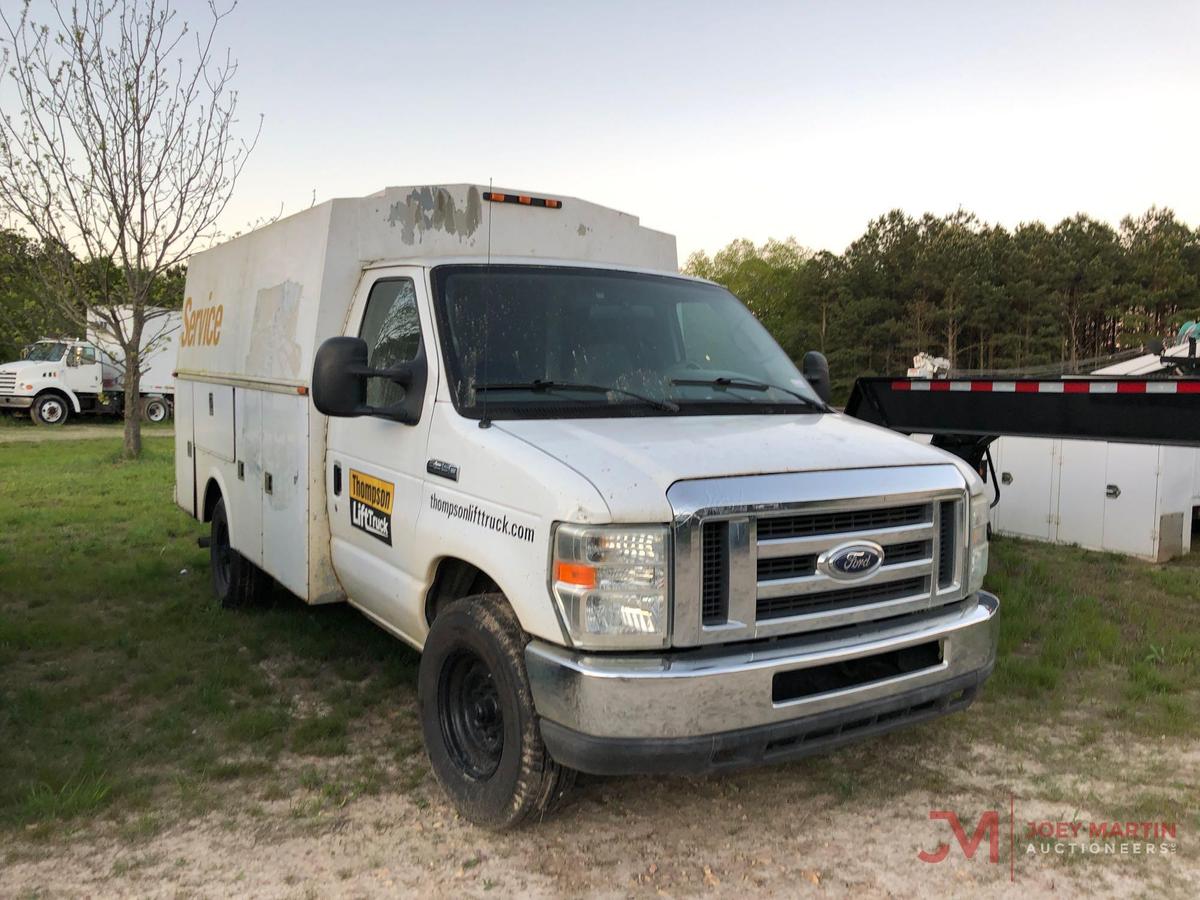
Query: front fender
57, 387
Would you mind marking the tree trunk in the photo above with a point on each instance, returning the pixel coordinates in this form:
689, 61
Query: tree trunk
133, 404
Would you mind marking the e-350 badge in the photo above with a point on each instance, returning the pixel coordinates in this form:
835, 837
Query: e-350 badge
371, 505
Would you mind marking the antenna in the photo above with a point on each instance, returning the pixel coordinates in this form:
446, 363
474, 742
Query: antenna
484, 421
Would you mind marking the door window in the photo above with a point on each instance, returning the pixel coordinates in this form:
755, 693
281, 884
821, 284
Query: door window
392, 331
81, 355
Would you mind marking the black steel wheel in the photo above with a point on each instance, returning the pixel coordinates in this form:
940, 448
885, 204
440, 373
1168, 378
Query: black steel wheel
471, 715
477, 716
236, 581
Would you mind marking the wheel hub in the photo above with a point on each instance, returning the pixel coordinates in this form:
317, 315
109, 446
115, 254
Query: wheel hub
471, 715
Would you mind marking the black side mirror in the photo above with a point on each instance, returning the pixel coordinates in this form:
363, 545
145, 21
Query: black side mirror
339, 382
816, 373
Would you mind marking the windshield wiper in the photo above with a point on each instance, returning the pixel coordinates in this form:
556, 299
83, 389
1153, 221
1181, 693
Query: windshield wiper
748, 384
539, 385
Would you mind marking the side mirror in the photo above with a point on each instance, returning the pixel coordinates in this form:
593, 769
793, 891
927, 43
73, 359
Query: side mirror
74, 356
816, 373
339, 382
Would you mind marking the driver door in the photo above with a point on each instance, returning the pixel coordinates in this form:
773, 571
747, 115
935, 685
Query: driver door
374, 466
82, 371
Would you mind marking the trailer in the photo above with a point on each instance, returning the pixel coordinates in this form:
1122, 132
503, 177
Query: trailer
1111, 450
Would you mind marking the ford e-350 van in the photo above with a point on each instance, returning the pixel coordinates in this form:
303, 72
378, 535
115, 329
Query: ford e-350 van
624, 531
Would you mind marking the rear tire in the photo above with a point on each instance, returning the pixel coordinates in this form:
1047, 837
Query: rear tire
481, 730
155, 410
236, 581
50, 409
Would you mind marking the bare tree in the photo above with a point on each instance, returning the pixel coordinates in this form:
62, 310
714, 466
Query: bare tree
120, 156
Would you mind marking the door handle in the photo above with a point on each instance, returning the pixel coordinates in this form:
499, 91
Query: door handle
1112, 491
337, 479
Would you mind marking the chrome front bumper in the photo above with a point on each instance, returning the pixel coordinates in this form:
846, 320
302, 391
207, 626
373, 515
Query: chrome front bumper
12, 401
704, 709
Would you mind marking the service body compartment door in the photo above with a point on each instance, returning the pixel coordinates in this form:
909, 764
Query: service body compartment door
375, 467
185, 454
1027, 485
283, 489
1131, 499
212, 414
1081, 499
247, 489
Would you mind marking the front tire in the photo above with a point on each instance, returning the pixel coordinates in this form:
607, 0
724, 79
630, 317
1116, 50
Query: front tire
50, 409
236, 581
481, 731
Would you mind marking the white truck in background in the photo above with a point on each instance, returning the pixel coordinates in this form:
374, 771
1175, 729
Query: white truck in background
58, 378
625, 533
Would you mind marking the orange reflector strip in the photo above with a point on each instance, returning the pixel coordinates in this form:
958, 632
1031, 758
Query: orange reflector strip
525, 200
302, 391
553, 204
574, 573
496, 198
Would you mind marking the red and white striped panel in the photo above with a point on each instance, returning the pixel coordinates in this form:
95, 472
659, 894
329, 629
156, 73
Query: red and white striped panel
1079, 386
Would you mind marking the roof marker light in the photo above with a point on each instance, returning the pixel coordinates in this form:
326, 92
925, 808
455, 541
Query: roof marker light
522, 199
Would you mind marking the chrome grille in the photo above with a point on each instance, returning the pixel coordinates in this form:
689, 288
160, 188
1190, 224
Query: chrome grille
8, 382
748, 550
854, 520
779, 607
946, 539
713, 592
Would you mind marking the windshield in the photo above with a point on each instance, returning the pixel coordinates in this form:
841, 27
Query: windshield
537, 341
46, 351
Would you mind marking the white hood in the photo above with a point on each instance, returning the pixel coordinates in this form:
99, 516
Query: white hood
18, 365
632, 461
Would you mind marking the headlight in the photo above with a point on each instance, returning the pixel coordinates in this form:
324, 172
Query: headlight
977, 543
610, 583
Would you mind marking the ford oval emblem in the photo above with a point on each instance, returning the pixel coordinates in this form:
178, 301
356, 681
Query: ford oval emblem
850, 562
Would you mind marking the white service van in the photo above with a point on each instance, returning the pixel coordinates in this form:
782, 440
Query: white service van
57, 378
625, 532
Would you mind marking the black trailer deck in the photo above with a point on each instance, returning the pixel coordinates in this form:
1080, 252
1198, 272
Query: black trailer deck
964, 415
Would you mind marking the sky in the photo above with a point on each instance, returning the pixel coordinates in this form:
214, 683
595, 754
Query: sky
716, 121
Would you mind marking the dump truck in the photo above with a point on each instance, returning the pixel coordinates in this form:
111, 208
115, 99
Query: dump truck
624, 531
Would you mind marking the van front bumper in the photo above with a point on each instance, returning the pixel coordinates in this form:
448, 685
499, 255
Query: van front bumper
705, 710
8, 401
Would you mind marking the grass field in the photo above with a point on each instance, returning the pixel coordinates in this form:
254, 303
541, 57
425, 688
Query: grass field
122, 687
126, 696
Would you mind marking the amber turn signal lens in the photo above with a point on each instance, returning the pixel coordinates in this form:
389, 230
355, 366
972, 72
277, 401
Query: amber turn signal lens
576, 574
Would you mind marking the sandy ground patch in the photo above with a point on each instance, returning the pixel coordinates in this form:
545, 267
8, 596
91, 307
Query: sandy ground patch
779, 832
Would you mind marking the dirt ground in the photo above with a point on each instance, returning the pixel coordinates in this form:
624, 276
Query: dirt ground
794, 830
